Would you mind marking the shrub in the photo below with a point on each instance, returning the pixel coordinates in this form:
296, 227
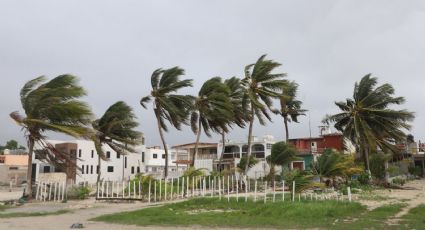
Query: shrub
415, 170
399, 181
80, 192
363, 178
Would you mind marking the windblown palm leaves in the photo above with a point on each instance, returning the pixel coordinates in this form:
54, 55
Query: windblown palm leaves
368, 119
52, 106
213, 110
261, 86
283, 154
115, 129
290, 107
169, 106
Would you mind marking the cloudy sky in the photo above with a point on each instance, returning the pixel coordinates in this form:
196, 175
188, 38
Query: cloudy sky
113, 46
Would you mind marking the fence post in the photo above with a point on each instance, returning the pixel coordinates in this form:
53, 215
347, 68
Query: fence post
54, 192
63, 189
349, 194
182, 187
50, 190
154, 192
107, 189
149, 192
36, 191
165, 188
187, 186
122, 188
228, 189
283, 190
219, 188
246, 188
265, 192
172, 187
112, 188
255, 190
293, 191
237, 190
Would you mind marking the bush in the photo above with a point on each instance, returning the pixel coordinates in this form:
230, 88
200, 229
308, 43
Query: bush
415, 170
363, 178
80, 192
399, 181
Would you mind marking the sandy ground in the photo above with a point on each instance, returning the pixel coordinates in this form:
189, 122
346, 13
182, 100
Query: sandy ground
82, 211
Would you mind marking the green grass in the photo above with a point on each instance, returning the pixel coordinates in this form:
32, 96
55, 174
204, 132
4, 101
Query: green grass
375, 219
215, 213
31, 214
415, 219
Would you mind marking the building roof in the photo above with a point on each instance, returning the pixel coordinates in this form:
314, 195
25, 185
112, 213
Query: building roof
316, 138
192, 145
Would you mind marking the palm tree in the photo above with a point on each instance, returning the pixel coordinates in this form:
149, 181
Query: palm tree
169, 106
51, 106
116, 130
281, 154
240, 116
368, 119
212, 110
290, 107
261, 86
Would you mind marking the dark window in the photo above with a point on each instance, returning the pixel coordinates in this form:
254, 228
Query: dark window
91, 169
13, 168
143, 156
92, 154
125, 162
118, 156
132, 169
163, 156
138, 169
46, 169
108, 154
110, 168
82, 169
79, 153
97, 169
87, 169
155, 155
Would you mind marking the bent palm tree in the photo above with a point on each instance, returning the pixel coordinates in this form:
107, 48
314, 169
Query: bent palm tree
115, 129
169, 106
261, 86
212, 110
290, 107
240, 116
367, 119
51, 106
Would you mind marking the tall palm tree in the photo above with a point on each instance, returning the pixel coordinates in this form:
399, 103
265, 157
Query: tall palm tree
116, 130
368, 119
51, 106
169, 106
261, 86
240, 116
290, 107
212, 110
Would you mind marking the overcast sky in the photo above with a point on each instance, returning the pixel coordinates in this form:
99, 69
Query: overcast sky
113, 47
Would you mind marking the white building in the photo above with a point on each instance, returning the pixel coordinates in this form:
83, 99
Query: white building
260, 149
154, 162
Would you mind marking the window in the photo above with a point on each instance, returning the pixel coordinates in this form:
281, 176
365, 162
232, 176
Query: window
138, 169
118, 156
110, 168
132, 169
13, 168
46, 169
143, 156
91, 169
269, 146
125, 162
97, 169
82, 169
163, 156
79, 153
87, 169
92, 154
155, 155
108, 154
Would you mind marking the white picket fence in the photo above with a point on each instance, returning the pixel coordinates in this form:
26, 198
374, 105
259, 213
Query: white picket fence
51, 191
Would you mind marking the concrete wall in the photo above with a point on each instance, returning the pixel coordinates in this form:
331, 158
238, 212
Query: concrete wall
15, 159
15, 173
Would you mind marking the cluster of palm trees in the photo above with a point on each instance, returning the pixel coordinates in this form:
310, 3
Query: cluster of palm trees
220, 105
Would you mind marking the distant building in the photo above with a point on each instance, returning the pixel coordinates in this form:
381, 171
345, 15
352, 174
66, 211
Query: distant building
13, 166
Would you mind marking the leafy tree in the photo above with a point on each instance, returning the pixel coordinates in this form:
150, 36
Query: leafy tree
245, 163
169, 106
12, 145
212, 110
290, 107
261, 86
51, 106
116, 130
369, 120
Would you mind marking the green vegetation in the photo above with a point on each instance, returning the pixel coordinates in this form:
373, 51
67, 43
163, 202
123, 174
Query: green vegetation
415, 219
32, 214
11, 145
215, 213
79, 192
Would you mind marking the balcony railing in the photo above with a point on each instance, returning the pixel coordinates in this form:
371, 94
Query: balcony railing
256, 154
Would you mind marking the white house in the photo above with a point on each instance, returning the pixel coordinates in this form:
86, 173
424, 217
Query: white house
154, 162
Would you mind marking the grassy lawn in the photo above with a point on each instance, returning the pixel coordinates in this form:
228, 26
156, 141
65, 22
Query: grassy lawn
214, 213
30, 214
415, 219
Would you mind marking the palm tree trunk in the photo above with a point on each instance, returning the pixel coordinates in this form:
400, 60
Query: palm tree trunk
285, 121
161, 134
29, 169
366, 160
248, 154
98, 174
198, 136
223, 139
